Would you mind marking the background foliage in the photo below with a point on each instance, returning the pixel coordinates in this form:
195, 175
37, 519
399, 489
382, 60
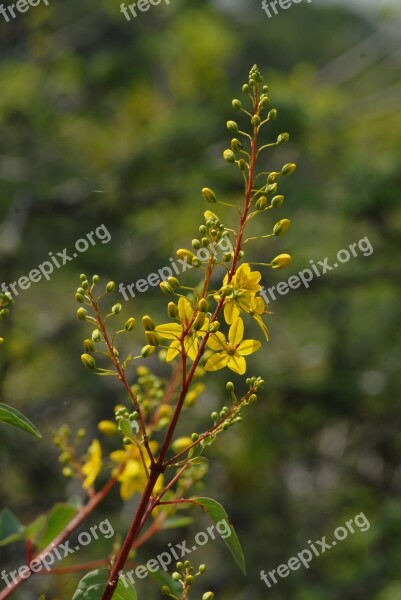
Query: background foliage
122, 123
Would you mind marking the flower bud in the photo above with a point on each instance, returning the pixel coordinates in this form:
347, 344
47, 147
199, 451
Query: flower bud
199, 321
272, 116
229, 386
196, 244
232, 126
83, 277
88, 361
196, 262
116, 309
203, 305
242, 164
152, 338
173, 281
256, 120
208, 596
288, 168
130, 324
281, 226
283, 138
147, 323
147, 351
213, 327
277, 201
272, 178
202, 568
176, 576
209, 195
236, 145
82, 314
78, 297
96, 335
272, 188
172, 310
236, 104
95, 279
185, 254
229, 156
89, 345
261, 203
110, 287
245, 88
281, 261
107, 427
264, 102
208, 214
166, 590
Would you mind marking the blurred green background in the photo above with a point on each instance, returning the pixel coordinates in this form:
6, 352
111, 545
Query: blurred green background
105, 121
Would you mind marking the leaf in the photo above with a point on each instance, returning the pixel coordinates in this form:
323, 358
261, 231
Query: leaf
173, 522
59, 516
92, 586
16, 419
196, 450
217, 513
11, 530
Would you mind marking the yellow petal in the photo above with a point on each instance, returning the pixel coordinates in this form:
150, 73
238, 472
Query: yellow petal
262, 325
173, 350
191, 346
231, 312
217, 341
170, 331
119, 456
248, 347
237, 364
217, 361
185, 311
236, 332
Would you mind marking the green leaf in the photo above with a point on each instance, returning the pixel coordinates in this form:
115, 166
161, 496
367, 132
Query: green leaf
33, 530
217, 513
16, 419
92, 586
174, 522
196, 450
59, 516
11, 530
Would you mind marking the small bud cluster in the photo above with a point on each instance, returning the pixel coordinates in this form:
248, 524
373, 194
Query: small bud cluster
67, 444
185, 575
5, 302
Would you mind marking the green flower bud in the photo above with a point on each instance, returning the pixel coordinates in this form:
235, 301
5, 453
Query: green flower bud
172, 310
89, 345
229, 156
245, 88
110, 287
205, 242
96, 335
242, 164
209, 195
117, 308
261, 203
176, 576
195, 437
82, 314
227, 256
283, 138
281, 261
190, 579
281, 226
272, 178
252, 398
199, 321
229, 386
165, 590
208, 596
236, 145
265, 89
288, 168
202, 230
213, 327
147, 351
236, 104
130, 324
195, 244
152, 338
2, 340
232, 126
203, 305
196, 262
88, 361
272, 188
277, 201
147, 323
4, 312
272, 116
67, 472
264, 102
95, 279
173, 281
127, 441
202, 568
85, 284
214, 416
256, 120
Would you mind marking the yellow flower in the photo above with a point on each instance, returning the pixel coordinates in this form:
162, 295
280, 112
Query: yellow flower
133, 478
174, 331
244, 284
93, 465
231, 353
256, 310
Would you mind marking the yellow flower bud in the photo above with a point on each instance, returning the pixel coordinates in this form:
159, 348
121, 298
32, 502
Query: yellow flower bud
229, 156
277, 201
152, 338
130, 324
147, 351
107, 427
185, 254
88, 361
166, 288
82, 314
209, 195
281, 226
110, 287
172, 310
199, 321
203, 305
281, 261
261, 203
147, 323
288, 168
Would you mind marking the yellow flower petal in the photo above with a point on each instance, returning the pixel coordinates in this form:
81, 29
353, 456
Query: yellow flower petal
170, 331
173, 350
93, 465
217, 361
237, 364
231, 312
217, 341
185, 310
236, 332
248, 347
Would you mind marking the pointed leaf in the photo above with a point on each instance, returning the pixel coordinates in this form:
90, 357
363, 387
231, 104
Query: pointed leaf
16, 419
11, 530
174, 522
217, 513
59, 516
92, 586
